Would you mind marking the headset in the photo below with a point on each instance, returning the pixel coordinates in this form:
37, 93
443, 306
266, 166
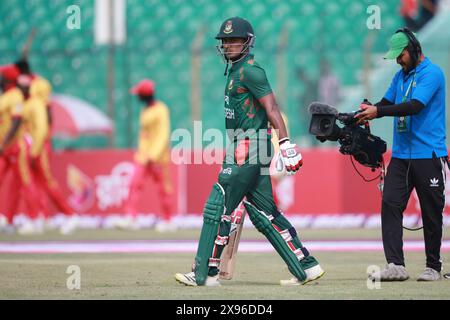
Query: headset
414, 48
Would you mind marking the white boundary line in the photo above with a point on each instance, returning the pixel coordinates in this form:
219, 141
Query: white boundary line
183, 246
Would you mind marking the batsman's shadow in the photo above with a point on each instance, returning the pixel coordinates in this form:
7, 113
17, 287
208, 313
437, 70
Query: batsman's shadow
248, 283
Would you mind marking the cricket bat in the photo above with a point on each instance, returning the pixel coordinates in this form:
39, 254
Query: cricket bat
228, 258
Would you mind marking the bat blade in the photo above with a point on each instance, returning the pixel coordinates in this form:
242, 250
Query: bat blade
228, 258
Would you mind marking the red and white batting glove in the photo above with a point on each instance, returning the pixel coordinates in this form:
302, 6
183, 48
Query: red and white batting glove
289, 157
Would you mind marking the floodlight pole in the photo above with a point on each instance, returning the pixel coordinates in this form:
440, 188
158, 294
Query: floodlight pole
281, 65
196, 94
111, 70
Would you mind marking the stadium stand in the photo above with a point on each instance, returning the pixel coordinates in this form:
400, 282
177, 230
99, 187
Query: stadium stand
159, 46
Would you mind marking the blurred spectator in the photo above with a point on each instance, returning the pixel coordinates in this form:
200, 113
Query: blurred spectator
310, 90
329, 86
152, 158
417, 13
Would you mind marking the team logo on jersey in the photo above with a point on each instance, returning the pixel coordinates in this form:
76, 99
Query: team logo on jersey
228, 27
230, 85
227, 171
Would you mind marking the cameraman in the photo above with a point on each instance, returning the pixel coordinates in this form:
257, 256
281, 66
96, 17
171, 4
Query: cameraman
416, 100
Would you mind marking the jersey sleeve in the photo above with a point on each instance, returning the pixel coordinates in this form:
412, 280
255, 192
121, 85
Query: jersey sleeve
391, 93
254, 78
41, 88
427, 85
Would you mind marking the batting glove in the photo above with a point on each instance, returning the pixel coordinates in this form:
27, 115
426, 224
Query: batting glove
289, 157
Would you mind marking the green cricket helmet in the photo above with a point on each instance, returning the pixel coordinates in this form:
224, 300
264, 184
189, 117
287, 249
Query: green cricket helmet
235, 27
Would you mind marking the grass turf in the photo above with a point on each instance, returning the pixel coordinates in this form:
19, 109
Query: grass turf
144, 276
150, 276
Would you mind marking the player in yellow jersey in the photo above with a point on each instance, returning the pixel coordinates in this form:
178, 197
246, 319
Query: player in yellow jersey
47, 186
152, 157
8, 80
14, 152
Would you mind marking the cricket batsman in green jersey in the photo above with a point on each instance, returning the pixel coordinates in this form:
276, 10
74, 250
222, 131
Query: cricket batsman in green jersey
249, 107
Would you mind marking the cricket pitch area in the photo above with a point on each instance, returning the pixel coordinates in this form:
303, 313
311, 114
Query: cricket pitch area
117, 264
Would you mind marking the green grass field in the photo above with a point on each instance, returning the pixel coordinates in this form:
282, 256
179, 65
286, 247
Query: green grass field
150, 276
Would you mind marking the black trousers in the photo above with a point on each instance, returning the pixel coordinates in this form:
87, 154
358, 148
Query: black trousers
427, 176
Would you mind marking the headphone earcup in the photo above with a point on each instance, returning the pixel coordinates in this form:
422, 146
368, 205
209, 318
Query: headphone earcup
414, 48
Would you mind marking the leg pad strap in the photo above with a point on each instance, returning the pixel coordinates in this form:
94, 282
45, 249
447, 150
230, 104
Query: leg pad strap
279, 238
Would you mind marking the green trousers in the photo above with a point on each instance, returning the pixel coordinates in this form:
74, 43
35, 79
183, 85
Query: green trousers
253, 182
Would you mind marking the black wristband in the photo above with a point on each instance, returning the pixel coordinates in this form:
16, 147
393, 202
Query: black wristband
281, 141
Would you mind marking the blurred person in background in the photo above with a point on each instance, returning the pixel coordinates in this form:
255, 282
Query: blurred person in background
329, 87
8, 81
41, 149
15, 150
417, 13
309, 92
152, 158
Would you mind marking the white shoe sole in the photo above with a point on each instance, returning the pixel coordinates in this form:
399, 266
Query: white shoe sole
184, 280
312, 274
315, 278
210, 281
428, 279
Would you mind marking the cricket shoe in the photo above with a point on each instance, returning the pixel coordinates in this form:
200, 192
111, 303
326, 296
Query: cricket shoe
128, 223
3, 221
166, 226
72, 223
29, 228
312, 274
391, 272
39, 224
429, 275
189, 279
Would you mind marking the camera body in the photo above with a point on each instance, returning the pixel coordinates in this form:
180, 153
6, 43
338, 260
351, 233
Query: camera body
355, 140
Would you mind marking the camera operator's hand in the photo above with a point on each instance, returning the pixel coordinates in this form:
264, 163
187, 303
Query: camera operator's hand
290, 156
369, 112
